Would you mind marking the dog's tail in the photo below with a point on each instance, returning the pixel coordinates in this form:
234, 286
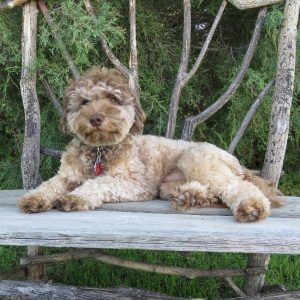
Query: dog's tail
267, 187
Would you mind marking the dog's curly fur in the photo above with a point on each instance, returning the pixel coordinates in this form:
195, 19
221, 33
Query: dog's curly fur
139, 168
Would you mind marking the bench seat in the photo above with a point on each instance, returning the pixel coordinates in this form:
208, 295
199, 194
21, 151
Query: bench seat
152, 225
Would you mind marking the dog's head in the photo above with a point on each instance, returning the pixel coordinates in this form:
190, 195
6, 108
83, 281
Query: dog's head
101, 109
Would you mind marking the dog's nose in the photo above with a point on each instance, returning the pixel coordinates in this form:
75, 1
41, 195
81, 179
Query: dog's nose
96, 120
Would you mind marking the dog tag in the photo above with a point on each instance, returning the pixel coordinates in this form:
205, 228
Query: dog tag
98, 168
98, 165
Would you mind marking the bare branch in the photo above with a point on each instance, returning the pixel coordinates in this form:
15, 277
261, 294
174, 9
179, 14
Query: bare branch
183, 77
8, 4
192, 122
185, 272
206, 43
30, 161
51, 152
43, 8
133, 61
52, 96
250, 114
282, 98
111, 56
186, 45
238, 291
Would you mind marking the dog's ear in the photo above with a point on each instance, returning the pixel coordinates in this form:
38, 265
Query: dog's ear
139, 119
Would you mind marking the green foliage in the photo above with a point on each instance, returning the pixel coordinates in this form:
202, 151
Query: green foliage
283, 269
159, 30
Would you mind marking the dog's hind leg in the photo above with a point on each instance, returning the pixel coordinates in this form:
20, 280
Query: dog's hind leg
187, 195
220, 173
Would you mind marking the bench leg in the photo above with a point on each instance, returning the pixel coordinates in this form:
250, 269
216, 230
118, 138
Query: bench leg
36, 272
254, 283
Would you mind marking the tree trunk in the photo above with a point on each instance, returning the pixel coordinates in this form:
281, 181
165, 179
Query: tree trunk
30, 162
280, 117
282, 99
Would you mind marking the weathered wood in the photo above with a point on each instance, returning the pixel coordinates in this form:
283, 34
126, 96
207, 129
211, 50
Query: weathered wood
288, 295
245, 4
38, 271
291, 209
31, 290
51, 152
192, 122
8, 4
30, 161
98, 255
153, 231
254, 283
133, 58
279, 125
282, 99
249, 116
183, 75
231, 283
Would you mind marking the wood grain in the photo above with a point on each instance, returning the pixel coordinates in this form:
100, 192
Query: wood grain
138, 230
31, 290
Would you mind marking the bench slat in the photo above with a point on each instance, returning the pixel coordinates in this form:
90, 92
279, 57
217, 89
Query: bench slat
290, 210
153, 231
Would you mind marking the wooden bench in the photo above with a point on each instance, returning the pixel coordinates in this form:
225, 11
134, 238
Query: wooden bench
152, 225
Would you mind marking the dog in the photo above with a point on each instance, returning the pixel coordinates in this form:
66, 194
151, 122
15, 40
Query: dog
107, 162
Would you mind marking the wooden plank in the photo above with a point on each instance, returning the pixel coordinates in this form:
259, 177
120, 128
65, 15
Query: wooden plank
288, 295
120, 230
31, 290
245, 4
290, 210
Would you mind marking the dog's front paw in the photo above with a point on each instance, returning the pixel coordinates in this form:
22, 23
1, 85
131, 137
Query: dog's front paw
252, 210
72, 203
192, 196
33, 203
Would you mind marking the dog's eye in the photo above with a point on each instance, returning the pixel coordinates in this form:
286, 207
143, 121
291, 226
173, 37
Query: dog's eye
114, 99
84, 101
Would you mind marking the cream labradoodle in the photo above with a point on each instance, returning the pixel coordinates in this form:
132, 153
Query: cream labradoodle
106, 163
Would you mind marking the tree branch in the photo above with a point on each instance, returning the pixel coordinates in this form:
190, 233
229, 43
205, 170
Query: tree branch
185, 272
133, 60
186, 45
51, 152
183, 77
238, 291
52, 96
250, 114
192, 122
43, 8
111, 56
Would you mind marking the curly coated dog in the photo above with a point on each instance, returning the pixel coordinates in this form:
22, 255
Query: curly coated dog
106, 162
